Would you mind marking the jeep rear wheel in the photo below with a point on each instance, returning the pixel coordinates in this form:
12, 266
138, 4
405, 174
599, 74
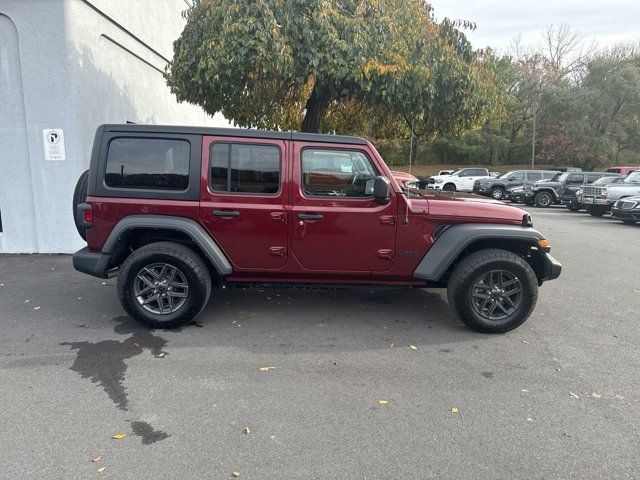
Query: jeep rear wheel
497, 193
543, 199
493, 291
449, 187
573, 207
164, 284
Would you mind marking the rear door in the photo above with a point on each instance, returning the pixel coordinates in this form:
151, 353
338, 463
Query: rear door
243, 200
336, 225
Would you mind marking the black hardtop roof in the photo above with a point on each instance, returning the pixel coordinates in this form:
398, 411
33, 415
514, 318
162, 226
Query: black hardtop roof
234, 132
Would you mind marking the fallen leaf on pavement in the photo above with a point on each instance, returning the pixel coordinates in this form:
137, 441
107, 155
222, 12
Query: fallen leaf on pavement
524, 390
619, 397
161, 354
455, 410
118, 436
384, 338
529, 419
36, 308
234, 322
136, 344
383, 402
247, 430
574, 395
413, 347
596, 395
524, 342
101, 469
235, 474
266, 369
96, 459
27, 301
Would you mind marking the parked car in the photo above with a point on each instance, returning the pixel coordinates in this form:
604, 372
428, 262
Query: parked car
516, 194
623, 170
545, 193
568, 194
601, 181
172, 211
599, 199
497, 187
405, 179
461, 179
627, 209
423, 180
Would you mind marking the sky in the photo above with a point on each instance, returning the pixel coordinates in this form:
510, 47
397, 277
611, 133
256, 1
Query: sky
499, 21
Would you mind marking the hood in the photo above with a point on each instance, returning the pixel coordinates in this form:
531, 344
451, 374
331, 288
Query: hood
546, 183
402, 175
470, 208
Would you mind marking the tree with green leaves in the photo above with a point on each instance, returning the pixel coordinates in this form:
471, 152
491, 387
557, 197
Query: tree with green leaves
302, 64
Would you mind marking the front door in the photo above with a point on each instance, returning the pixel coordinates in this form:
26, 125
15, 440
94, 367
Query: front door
336, 225
243, 200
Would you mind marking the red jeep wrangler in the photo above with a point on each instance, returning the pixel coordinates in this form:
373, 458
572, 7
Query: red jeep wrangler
171, 210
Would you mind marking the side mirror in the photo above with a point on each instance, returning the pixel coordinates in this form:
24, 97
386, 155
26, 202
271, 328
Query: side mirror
381, 190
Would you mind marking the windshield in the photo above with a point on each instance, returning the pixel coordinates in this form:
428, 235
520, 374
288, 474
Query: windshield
633, 178
606, 180
506, 175
456, 171
559, 177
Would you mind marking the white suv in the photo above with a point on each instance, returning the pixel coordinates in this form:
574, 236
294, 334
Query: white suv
461, 179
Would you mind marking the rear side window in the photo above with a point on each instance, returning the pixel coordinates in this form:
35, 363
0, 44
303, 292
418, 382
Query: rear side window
148, 163
533, 176
244, 168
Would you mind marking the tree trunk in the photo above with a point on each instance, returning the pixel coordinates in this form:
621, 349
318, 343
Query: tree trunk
315, 107
414, 150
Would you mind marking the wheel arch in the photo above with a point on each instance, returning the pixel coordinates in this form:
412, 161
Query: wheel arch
136, 231
458, 241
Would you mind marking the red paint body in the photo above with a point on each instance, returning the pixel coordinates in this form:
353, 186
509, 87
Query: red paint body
358, 241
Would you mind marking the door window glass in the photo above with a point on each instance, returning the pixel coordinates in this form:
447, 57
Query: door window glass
336, 173
575, 178
533, 176
244, 168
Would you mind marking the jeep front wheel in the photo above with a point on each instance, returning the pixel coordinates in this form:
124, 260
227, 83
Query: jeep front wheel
493, 291
543, 199
164, 284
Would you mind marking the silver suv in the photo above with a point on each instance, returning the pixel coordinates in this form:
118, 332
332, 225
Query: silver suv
599, 199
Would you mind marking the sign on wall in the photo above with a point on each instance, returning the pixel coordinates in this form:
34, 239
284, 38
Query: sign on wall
53, 140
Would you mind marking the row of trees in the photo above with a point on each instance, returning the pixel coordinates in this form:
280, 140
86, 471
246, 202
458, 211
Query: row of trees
387, 70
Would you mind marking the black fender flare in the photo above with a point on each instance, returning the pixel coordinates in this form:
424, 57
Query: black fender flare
452, 242
185, 225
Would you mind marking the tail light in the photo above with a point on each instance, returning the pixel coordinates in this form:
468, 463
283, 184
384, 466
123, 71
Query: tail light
85, 215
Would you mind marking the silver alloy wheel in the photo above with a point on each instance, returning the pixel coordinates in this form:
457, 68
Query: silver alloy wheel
497, 193
161, 288
496, 294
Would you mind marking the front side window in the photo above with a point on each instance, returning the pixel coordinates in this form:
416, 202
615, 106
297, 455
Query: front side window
336, 173
244, 168
533, 176
575, 178
148, 163
517, 177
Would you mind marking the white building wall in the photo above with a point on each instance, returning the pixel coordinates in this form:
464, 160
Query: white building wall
74, 64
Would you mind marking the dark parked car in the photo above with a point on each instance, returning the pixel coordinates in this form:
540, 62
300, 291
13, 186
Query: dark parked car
517, 193
497, 187
627, 209
173, 211
545, 193
569, 195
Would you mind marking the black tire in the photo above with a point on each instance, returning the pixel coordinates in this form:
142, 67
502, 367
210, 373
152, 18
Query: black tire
497, 193
80, 196
449, 187
628, 221
573, 208
189, 264
471, 269
543, 200
596, 211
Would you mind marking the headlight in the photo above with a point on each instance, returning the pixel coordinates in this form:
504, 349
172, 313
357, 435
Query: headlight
603, 192
410, 184
578, 192
437, 180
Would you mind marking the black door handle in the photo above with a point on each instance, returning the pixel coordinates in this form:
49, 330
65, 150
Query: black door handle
226, 213
310, 216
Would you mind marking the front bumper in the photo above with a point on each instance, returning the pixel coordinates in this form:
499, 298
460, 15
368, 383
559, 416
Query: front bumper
92, 263
596, 201
626, 213
551, 268
481, 190
569, 200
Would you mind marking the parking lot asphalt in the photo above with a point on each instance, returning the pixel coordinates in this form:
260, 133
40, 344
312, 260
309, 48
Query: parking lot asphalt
557, 398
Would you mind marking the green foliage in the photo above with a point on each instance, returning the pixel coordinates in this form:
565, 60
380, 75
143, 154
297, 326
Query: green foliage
316, 65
